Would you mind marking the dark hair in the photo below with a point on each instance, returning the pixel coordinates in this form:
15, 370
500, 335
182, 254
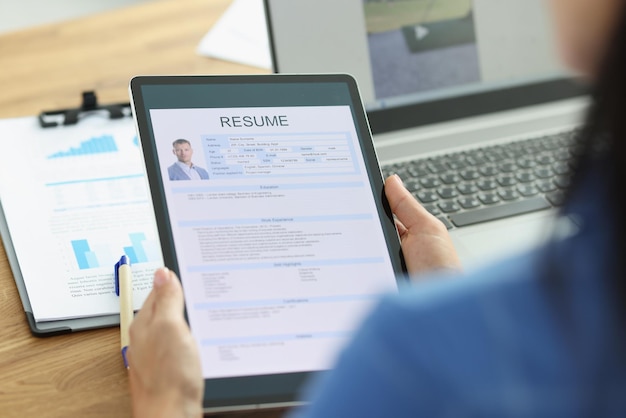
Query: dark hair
180, 141
603, 138
600, 145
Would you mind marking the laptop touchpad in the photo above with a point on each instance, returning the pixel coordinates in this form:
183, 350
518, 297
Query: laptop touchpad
488, 242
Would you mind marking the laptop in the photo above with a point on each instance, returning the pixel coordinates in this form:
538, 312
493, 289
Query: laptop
466, 100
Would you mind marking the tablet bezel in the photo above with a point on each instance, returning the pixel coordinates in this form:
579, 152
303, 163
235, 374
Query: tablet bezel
237, 393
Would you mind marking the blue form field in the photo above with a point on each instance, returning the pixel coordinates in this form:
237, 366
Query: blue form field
85, 258
280, 155
136, 252
96, 145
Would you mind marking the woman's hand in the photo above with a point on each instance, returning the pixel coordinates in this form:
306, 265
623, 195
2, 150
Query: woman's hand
426, 244
164, 365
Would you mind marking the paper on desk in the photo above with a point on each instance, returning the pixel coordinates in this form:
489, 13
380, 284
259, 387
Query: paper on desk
240, 35
75, 199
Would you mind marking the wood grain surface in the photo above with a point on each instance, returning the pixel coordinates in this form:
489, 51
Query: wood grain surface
45, 68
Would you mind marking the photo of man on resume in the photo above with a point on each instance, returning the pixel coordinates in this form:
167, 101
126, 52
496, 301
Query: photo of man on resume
183, 168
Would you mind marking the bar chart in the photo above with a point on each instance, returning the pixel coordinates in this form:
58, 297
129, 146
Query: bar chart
85, 258
97, 145
136, 251
93, 253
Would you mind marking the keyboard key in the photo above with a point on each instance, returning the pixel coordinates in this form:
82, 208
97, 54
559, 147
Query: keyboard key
449, 178
487, 184
492, 156
550, 144
488, 170
506, 181
525, 177
488, 198
527, 190
400, 171
457, 157
543, 172
565, 140
526, 163
560, 167
545, 159
507, 167
447, 192
436, 168
412, 184
502, 152
467, 188
470, 174
517, 152
433, 209
508, 194
476, 159
469, 202
426, 196
546, 186
499, 212
429, 182
533, 149
417, 171
449, 207
457, 165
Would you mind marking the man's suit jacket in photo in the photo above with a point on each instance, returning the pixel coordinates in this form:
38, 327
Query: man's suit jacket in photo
177, 173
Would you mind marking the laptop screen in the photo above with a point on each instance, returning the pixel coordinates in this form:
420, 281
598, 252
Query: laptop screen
410, 52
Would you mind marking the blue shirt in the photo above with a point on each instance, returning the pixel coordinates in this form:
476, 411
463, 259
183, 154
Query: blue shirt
181, 171
506, 341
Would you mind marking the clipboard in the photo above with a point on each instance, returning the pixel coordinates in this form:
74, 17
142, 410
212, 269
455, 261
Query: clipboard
46, 126
48, 328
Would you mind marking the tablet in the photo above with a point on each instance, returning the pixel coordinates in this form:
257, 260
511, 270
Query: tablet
270, 207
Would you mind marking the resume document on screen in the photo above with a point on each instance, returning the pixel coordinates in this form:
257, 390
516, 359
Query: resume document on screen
280, 250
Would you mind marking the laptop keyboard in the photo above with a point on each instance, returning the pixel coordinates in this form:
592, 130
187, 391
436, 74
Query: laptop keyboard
493, 182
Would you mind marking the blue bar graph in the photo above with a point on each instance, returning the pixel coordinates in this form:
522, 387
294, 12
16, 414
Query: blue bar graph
136, 251
104, 252
85, 258
97, 145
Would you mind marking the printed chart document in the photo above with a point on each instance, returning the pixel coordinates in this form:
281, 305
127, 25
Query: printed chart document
281, 250
75, 199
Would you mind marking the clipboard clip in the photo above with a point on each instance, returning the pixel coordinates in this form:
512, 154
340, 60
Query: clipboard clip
52, 118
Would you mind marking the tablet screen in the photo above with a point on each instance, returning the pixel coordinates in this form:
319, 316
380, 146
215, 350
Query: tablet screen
274, 215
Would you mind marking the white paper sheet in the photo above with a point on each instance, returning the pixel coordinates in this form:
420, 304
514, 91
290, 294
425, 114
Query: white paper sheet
75, 199
240, 36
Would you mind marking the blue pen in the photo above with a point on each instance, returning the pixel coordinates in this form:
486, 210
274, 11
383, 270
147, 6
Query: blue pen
124, 289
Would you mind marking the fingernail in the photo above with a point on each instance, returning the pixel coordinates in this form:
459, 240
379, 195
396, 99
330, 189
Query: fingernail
399, 179
161, 277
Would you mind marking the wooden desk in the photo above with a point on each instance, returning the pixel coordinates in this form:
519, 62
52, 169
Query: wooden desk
47, 68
